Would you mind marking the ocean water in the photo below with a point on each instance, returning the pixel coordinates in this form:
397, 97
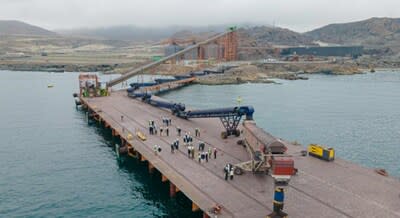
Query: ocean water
52, 163
358, 115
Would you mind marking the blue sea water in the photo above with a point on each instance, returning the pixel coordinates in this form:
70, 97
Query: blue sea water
53, 164
358, 115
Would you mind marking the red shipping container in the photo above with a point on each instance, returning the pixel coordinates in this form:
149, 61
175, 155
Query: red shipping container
281, 166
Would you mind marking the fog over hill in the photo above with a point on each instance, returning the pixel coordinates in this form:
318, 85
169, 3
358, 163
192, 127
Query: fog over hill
382, 34
134, 33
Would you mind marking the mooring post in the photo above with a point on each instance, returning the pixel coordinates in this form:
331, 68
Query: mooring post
117, 151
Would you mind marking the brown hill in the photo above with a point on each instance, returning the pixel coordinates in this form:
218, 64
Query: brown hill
12, 27
265, 35
373, 33
259, 42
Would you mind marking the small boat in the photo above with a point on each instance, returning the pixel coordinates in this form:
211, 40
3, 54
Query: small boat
50, 85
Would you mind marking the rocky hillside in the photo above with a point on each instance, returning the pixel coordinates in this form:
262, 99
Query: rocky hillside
357, 31
259, 42
265, 35
374, 33
11, 27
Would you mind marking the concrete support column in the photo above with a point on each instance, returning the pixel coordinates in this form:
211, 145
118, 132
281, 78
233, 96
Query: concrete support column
205, 215
151, 168
172, 190
114, 132
164, 178
195, 207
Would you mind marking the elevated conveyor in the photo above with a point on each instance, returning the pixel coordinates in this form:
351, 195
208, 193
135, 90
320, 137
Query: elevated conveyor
229, 116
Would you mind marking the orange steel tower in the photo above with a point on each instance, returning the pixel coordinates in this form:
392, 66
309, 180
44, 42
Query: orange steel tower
231, 44
200, 53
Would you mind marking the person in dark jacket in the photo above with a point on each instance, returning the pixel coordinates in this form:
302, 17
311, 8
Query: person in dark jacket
226, 170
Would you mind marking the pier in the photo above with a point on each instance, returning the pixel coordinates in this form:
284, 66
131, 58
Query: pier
320, 189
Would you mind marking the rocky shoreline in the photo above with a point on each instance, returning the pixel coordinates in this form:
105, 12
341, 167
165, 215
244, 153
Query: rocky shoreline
251, 73
58, 68
266, 73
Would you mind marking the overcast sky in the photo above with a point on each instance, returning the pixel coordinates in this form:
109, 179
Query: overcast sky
299, 15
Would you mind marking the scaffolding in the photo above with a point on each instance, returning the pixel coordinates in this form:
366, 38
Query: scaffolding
230, 44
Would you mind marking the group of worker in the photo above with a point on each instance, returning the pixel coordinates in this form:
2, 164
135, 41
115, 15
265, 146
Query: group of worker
152, 128
188, 142
166, 121
175, 146
163, 130
187, 138
205, 155
202, 155
229, 171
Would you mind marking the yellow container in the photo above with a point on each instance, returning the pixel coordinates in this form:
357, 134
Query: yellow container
141, 135
322, 152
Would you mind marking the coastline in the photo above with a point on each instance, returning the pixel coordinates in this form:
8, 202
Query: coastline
261, 73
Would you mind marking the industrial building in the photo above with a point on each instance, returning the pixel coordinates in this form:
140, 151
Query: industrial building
172, 49
340, 51
222, 48
211, 51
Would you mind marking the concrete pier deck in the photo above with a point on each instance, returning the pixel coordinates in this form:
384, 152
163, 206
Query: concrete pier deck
320, 189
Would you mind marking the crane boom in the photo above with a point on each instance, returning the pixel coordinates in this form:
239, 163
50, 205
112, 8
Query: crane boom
162, 60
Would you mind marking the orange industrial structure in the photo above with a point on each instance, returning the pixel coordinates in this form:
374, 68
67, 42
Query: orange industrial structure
230, 42
223, 49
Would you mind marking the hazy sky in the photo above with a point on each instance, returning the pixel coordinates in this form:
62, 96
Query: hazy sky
299, 15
